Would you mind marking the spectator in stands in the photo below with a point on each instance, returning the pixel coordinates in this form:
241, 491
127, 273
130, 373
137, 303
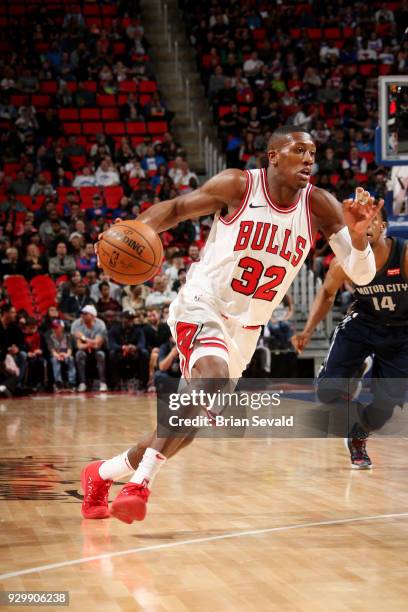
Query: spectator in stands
12, 340
11, 264
57, 161
176, 263
151, 162
46, 325
131, 110
186, 176
59, 344
41, 186
77, 243
85, 179
181, 280
87, 261
51, 227
168, 364
156, 110
61, 263
73, 148
12, 204
9, 373
91, 341
106, 174
34, 263
36, 363
329, 164
356, 163
134, 301
128, 355
161, 293
21, 185
100, 147
280, 327
106, 302
78, 297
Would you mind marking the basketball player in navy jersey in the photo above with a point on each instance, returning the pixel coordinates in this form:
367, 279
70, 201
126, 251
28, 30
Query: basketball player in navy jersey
262, 232
376, 324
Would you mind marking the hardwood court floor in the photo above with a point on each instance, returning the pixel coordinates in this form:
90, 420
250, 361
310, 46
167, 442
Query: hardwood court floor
232, 525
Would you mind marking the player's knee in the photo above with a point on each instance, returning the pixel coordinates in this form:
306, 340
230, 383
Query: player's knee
329, 390
210, 367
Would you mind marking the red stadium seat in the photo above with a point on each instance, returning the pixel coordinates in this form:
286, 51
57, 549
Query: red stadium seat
11, 168
48, 87
90, 113
72, 128
136, 127
113, 195
332, 33
367, 69
119, 48
314, 33
106, 100
94, 21
68, 114
157, 127
115, 127
129, 86
109, 10
87, 194
89, 85
40, 101
90, 9
147, 86
110, 113
259, 34
77, 161
94, 127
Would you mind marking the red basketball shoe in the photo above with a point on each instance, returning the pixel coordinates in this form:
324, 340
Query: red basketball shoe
130, 504
96, 491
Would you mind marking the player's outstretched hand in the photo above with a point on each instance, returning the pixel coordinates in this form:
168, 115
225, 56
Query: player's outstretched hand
301, 340
359, 212
96, 245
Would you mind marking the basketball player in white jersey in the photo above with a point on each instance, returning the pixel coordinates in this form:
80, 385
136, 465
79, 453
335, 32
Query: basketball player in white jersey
253, 253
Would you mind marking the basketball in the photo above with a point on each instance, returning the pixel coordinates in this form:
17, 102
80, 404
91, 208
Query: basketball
131, 252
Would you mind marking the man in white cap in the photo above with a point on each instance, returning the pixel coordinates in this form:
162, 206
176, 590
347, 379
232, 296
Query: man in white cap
90, 339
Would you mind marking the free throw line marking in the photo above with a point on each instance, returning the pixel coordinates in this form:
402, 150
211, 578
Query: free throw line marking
226, 536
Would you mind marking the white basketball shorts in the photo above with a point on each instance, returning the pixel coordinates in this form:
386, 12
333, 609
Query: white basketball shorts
200, 328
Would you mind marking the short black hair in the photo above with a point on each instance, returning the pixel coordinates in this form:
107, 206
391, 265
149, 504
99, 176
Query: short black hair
285, 130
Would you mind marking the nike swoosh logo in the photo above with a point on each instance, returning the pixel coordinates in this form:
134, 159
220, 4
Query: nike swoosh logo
252, 206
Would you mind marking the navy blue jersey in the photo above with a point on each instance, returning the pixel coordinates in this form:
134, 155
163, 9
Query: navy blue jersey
384, 301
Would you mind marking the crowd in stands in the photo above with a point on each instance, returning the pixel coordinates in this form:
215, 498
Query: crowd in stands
85, 140
310, 64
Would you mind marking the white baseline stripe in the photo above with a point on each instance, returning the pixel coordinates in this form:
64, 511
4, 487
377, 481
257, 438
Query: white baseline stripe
226, 536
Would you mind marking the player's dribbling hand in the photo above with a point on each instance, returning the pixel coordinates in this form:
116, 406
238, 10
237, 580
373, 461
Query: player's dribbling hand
300, 340
359, 212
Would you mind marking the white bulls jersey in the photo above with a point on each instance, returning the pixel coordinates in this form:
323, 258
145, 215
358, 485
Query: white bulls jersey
250, 261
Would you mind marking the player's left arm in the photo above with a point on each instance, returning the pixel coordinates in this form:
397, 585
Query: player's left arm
345, 227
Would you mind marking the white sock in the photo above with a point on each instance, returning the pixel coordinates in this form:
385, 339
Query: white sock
117, 467
148, 467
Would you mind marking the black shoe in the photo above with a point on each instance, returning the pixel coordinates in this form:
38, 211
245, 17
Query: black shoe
356, 444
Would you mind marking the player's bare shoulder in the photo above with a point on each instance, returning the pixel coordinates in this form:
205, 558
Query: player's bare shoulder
228, 186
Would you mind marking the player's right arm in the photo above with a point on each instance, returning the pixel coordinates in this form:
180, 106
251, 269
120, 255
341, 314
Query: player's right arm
322, 304
226, 189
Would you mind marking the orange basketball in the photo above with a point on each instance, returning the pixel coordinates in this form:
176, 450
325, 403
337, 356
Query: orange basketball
131, 252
